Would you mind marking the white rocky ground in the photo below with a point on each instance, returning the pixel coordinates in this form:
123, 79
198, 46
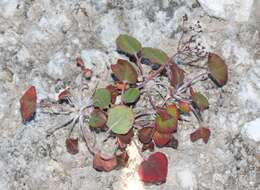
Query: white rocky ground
39, 41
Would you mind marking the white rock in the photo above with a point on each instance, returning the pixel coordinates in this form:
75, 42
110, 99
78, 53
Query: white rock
57, 65
252, 129
8, 7
186, 179
233, 10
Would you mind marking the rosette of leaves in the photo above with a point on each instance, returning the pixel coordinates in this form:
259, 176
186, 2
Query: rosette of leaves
112, 109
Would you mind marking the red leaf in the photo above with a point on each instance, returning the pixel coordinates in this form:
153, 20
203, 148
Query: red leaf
72, 146
154, 169
104, 164
176, 75
201, 133
160, 139
145, 134
114, 93
28, 104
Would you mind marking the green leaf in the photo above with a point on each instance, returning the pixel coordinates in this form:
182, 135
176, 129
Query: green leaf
156, 56
128, 44
131, 95
102, 98
120, 119
125, 71
200, 100
97, 119
218, 69
165, 122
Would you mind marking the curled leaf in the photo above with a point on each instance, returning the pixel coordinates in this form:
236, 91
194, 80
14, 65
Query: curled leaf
102, 98
97, 119
72, 145
156, 56
154, 169
218, 69
200, 101
28, 104
128, 44
131, 95
104, 164
145, 134
125, 71
176, 75
120, 119
201, 133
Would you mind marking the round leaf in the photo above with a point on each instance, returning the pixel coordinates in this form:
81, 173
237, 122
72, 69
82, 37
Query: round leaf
156, 56
120, 119
97, 119
161, 139
102, 98
200, 100
131, 95
218, 69
125, 71
165, 122
128, 44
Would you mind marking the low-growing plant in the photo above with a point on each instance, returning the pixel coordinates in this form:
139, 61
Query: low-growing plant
112, 108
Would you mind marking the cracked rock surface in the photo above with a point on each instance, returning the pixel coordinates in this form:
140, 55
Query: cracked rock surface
39, 41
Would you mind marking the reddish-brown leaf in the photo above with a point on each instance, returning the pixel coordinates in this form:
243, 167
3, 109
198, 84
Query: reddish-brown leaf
125, 71
104, 164
28, 104
145, 134
154, 169
160, 139
164, 115
123, 140
72, 145
176, 75
218, 69
149, 146
114, 93
122, 86
201, 133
